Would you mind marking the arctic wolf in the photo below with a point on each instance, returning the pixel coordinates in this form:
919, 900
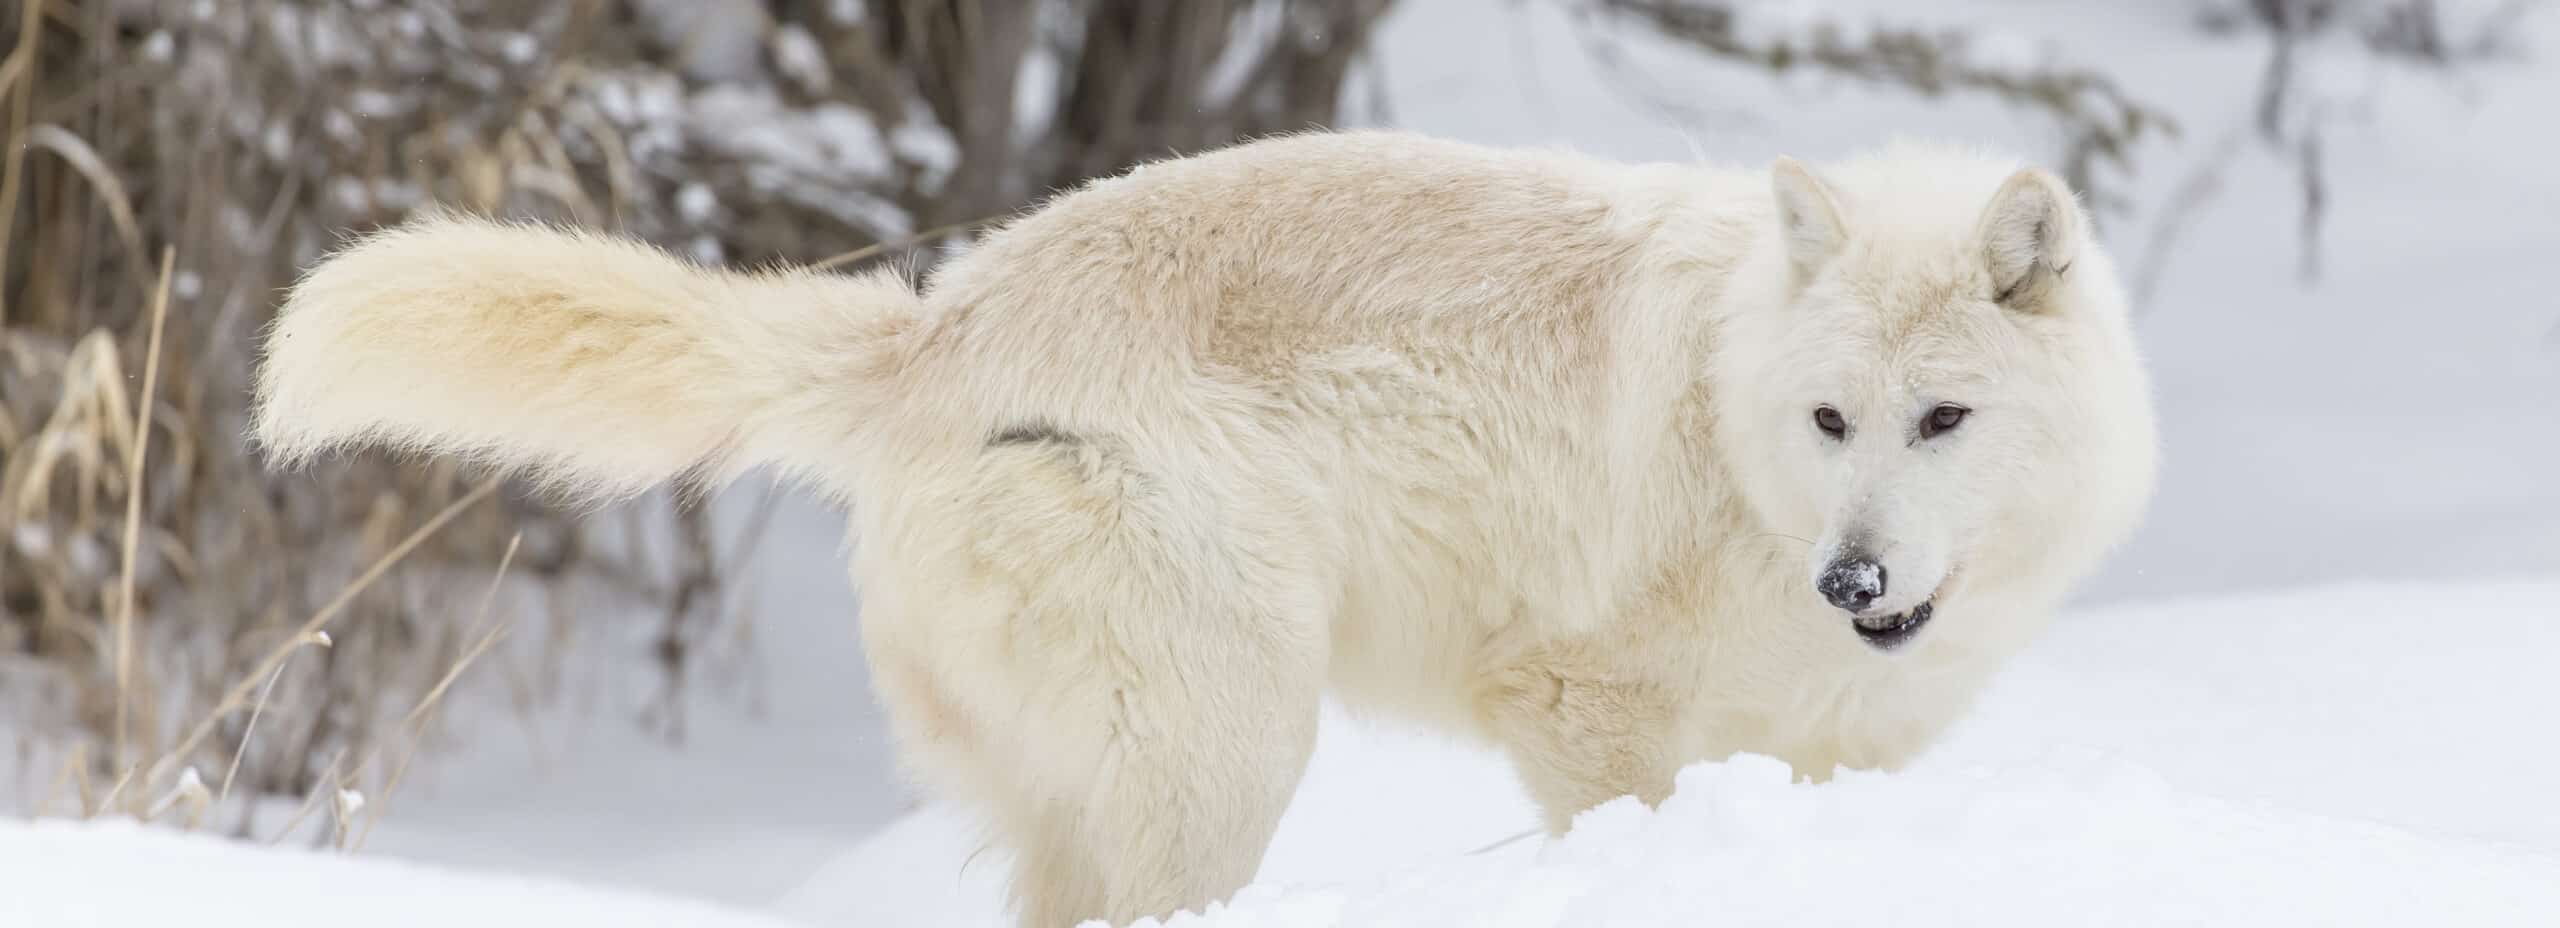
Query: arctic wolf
1617, 467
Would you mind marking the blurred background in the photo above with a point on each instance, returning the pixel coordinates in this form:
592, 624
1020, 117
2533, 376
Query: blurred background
2336, 216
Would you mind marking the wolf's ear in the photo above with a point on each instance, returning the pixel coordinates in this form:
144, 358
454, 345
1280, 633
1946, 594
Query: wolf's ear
1808, 216
2030, 235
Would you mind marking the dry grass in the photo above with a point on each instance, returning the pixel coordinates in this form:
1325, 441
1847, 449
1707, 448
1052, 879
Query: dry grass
162, 596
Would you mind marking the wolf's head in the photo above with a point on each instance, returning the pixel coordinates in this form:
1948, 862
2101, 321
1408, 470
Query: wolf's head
1942, 396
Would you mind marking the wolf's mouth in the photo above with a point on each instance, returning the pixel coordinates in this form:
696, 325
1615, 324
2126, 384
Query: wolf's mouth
1887, 632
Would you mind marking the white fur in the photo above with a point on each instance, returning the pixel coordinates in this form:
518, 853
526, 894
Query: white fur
1514, 443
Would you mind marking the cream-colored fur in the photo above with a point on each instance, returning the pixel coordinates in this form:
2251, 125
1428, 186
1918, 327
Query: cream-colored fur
1514, 443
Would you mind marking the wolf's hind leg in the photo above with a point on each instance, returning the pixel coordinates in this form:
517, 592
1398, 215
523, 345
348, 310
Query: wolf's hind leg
1138, 715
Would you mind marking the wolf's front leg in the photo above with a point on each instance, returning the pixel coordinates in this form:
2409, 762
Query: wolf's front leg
1583, 731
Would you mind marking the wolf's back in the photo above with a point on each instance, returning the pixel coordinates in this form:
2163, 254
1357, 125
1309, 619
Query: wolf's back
600, 366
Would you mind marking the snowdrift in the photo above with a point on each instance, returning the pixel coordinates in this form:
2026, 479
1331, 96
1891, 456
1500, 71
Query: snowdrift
2062, 844
2070, 841
56, 874
2363, 755
2345, 756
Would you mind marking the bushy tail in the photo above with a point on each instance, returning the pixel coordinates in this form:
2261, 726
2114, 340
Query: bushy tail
601, 366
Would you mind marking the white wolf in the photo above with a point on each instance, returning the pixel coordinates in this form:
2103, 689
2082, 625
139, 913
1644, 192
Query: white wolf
1618, 467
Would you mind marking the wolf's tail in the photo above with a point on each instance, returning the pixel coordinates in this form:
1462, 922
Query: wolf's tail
601, 366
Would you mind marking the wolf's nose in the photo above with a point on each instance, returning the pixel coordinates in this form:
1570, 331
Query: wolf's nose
1852, 583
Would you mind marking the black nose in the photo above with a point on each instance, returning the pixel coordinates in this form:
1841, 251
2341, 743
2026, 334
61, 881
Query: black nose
1852, 583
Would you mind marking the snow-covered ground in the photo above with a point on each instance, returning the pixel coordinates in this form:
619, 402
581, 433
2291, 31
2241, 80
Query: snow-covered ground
2365, 755
123, 875
2314, 690
1986, 845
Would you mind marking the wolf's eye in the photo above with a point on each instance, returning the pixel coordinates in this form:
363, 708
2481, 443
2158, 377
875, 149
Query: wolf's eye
1942, 419
1829, 421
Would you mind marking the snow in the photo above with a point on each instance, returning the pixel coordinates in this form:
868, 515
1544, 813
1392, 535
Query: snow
2336, 756
796, 54
2006, 50
822, 140
117, 874
928, 145
2054, 844
718, 39
2352, 755
696, 203
802, 154
1035, 90
1861, 574
783, 764
519, 47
